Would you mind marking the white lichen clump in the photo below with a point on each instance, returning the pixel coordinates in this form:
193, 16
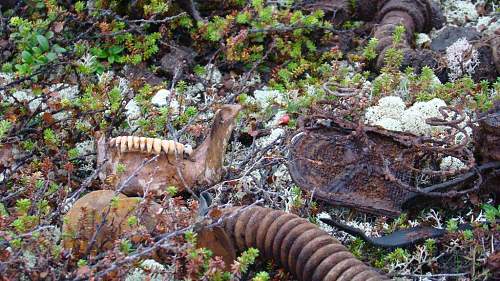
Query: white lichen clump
413, 120
155, 272
389, 124
390, 114
459, 12
487, 24
212, 74
86, 150
462, 58
388, 107
450, 163
266, 97
276, 134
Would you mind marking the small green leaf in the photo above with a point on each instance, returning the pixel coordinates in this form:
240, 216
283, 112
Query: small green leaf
51, 56
41, 60
49, 34
58, 49
43, 42
100, 53
36, 51
115, 50
27, 57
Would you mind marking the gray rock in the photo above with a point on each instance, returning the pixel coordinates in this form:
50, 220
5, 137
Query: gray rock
450, 34
179, 58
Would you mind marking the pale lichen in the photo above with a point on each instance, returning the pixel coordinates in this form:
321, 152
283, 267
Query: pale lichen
450, 163
459, 12
462, 59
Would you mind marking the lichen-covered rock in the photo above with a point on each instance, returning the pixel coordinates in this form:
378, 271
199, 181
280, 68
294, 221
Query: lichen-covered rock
273, 136
212, 74
450, 34
163, 98
82, 220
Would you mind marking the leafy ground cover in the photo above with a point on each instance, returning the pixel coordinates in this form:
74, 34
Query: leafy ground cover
72, 71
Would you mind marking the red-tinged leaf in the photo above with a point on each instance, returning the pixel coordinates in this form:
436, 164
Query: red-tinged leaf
215, 213
58, 26
48, 118
69, 167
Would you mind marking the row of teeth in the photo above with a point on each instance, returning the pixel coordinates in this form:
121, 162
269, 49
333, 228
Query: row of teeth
150, 145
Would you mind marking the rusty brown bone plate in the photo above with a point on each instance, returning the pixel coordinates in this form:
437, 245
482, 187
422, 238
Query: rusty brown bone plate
346, 170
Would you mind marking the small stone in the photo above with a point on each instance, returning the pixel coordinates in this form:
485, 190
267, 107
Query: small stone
65, 91
284, 120
160, 98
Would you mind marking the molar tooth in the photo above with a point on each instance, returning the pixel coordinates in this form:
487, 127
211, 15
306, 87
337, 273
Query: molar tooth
118, 141
149, 144
136, 143
130, 143
142, 142
123, 144
180, 149
171, 147
157, 146
164, 146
